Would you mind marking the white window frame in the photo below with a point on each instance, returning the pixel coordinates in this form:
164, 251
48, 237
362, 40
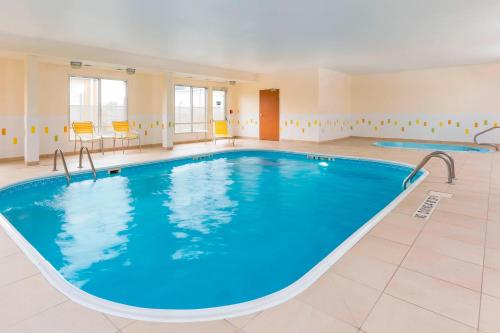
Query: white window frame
99, 106
191, 123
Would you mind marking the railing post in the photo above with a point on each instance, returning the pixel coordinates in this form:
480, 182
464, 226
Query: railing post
448, 160
68, 177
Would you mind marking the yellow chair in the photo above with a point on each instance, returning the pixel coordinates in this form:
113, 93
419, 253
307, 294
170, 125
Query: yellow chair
221, 131
123, 132
84, 132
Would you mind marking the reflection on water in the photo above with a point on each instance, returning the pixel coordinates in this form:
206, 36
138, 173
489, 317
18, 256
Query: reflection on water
94, 216
198, 201
250, 170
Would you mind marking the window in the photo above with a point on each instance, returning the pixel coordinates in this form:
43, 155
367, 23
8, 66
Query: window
98, 100
190, 109
219, 104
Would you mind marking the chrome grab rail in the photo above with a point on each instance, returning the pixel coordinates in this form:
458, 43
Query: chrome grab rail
450, 163
68, 177
450, 159
90, 160
486, 144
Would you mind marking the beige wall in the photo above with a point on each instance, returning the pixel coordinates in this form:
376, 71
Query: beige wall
144, 104
450, 104
334, 104
11, 87
11, 107
53, 104
314, 104
298, 102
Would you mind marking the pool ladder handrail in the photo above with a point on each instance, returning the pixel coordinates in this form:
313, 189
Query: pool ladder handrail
68, 177
450, 163
495, 146
90, 160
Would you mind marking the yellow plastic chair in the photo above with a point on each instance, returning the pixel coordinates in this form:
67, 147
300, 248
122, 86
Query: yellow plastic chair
221, 131
123, 132
84, 132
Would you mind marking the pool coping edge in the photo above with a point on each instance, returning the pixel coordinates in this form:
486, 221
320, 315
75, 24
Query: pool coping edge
215, 313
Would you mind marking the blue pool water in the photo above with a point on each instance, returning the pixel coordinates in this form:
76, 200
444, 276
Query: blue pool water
191, 234
430, 146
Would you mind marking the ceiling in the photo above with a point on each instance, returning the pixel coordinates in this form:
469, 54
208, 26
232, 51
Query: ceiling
354, 36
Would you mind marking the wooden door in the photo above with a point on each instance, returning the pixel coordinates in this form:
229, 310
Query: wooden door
269, 116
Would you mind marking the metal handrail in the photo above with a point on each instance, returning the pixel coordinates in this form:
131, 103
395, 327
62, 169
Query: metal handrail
486, 144
68, 177
439, 154
90, 160
450, 159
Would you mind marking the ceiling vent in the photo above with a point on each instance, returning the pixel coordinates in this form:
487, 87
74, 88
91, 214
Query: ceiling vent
130, 71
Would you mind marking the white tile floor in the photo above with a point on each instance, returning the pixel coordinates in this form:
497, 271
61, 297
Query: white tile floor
406, 275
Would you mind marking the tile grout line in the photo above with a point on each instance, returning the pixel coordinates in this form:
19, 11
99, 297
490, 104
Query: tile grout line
432, 311
22, 279
394, 273
37, 314
484, 248
398, 268
440, 279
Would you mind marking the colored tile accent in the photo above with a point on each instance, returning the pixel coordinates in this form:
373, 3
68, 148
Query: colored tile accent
56, 138
33, 129
65, 129
46, 130
14, 140
4, 131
